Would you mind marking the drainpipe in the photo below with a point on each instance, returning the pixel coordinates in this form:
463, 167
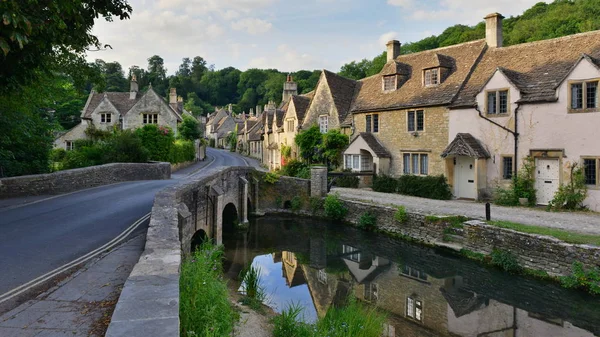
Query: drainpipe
515, 133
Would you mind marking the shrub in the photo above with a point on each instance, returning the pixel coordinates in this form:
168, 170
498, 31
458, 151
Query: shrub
182, 151
505, 197
367, 221
296, 203
271, 178
57, 155
522, 186
385, 184
505, 260
334, 208
316, 204
401, 216
293, 168
347, 181
432, 187
204, 308
588, 280
571, 196
157, 140
211, 142
125, 147
189, 128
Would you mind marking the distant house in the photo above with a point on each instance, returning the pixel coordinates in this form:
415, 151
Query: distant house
125, 110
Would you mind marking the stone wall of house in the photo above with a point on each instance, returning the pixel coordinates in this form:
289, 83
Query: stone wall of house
78, 179
321, 105
77, 132
397, 140
150, 103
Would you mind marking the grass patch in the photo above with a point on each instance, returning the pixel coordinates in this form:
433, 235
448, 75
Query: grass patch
254, 294
456, 221
354, 319
560, 234
204, 308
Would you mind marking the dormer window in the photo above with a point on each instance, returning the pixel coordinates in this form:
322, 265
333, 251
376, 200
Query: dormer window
584, 96
497, 102
432, 77
390, 83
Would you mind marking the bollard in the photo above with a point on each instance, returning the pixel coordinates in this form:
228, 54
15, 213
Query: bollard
487, 211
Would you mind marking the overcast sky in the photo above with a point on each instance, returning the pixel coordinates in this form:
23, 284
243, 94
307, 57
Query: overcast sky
285, 34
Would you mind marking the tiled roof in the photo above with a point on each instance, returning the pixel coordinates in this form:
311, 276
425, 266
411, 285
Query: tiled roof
393, 68
342, 92
301, 104
412, 93
536, 68
255, 132
280, 115
374, 144
120, 100
464, 144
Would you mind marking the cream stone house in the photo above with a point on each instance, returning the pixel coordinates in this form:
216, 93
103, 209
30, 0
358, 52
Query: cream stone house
537, 100
125, 110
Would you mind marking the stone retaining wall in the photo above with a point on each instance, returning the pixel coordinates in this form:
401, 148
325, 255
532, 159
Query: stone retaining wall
82, 178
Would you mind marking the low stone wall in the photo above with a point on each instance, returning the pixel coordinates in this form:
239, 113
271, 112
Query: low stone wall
78, 179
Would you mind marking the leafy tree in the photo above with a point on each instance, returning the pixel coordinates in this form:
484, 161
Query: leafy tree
334, 143
309, 142
157, 74
189, 128
113, 76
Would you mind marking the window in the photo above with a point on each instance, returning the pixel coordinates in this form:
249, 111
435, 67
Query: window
416, 163
372, 123
105, 118
584, 95
351, 252
414, 308
432, 77
150, 118
414, 273
290, 125
358, 163
507, 167
389, 83
322, 276
497, 102
371, 294
416, 121
69, 145
323, 121
590, 171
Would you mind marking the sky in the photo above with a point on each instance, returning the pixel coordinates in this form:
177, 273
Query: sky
288, 35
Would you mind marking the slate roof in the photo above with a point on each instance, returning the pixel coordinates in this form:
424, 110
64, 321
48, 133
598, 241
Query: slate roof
301, 104
280, 116
342, 92
374, 144
536, 68
460, 59
464, 144
254, 134
120, 100
393, 68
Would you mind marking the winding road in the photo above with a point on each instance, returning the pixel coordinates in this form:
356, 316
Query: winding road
39, 237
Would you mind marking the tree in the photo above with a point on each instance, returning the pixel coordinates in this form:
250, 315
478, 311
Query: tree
157, 74
309, 142
198, 69
113, 76
189, 128
334, 143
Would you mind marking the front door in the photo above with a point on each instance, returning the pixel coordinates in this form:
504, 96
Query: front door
547, 173
464, 178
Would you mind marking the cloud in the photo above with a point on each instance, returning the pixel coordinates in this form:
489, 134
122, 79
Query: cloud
287, 59
386, 37
252, 26
401, 3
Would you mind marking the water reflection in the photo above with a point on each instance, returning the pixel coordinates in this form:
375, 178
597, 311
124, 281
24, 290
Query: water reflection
424, 292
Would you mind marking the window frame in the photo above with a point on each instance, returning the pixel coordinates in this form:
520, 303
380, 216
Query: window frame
69, 145
418, 165
497, 102
325, 125
415, 120
512, 167
291, 124
149, 118
372, 123
414, 303
597, 171
584, 94
428, 76
386, 80
105, 118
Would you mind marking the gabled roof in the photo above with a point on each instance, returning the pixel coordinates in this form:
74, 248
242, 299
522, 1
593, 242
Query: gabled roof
254, 133
280, 114
459, 58
395, 68
538, 68
464, 144
301, 104
342, 92
120, 100
372, 141
216, 118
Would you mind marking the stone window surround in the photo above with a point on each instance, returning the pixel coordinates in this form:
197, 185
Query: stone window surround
324, 123
497, 114
371, 292
429, 73
371, 118
415, 121
584, 98
105, 117
597, 158
417, 304
419, 155
512, 169
291, 123
149, 118
394, 81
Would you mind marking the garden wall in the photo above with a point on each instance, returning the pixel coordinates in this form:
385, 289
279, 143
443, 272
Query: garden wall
82, 178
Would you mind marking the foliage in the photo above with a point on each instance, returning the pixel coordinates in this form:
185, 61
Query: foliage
286, 151
296, 203
334, 208
57, 155
271, 178
367, 221
204, 308
182, 151
347, 181
401, 216
157, 139
309, 142
189, 128
506, 260
522, 186
316, 204
254, 293
295, 168
431, 187
333, 144
588, 280
125, 147
232, 139
385, 184
289, 324
571, 195
570, 237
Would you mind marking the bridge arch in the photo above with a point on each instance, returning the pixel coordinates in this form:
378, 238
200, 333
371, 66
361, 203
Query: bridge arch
230, 218
199, 237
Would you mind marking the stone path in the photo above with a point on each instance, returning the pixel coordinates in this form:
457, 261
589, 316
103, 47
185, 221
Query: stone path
82, 304
588, 223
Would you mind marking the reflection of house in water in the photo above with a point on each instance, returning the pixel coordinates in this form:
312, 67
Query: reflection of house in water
294, 276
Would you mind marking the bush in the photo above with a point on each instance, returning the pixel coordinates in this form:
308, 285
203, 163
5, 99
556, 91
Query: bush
271, 178
571, 195
432, 187
522, 186
157, 139
84, 154
347, 181
505, 197
204, 308
182, 151
294, 168
385, 184
367, 221
334, 208
506, 261
288, 323
296, 203
125, 147
57, 155
189, 128
401, 216
316, 204
588, 280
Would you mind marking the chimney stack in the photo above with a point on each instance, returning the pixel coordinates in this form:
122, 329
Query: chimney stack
290, 88
493, 30
173, 96
393, 50
230, 108
133, 87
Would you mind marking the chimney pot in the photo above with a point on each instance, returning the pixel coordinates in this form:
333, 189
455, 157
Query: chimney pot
493, 30
393, 50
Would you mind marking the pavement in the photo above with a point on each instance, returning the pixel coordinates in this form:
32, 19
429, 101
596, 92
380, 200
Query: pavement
580, 222
80, 305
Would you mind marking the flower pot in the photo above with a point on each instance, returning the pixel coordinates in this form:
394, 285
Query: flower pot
523, 201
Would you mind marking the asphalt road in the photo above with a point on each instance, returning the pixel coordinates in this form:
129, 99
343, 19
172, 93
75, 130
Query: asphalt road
39, 237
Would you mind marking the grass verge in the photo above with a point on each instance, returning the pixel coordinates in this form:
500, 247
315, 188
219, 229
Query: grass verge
560, 234
204, 308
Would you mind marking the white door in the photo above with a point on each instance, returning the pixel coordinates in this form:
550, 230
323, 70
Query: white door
547, 172
464, 178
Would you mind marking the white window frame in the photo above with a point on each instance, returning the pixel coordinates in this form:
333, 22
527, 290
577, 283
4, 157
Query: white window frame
322, 276
431, 77
69, 145
390, 82
414, 308
371, 292
418, 164
290, 125
324, 124
148, 118
353, 253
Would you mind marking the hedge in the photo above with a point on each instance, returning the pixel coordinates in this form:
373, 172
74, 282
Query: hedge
431, 187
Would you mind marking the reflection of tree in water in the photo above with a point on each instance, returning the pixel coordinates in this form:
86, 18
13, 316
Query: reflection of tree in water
458, 296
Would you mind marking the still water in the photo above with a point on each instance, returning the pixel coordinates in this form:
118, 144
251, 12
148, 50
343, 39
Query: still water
425, 292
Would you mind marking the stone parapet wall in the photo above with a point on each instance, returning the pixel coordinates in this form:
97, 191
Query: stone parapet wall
82, 178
